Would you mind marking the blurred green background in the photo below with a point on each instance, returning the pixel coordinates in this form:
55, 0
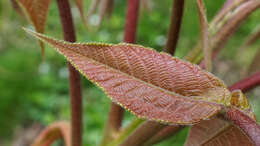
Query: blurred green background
35, 92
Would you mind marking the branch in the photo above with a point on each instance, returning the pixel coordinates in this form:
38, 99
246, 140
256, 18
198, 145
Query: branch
131, 21
74, 77
247, 83
232, 25
175, 26
224, 32
246, 124
116, 114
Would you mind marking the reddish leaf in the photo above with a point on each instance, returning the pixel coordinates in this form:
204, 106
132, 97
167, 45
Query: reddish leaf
248, 125
37, 11
151, 85
53, 132
16, 7
216, 132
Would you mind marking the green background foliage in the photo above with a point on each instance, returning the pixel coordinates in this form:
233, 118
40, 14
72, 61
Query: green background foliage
33, 90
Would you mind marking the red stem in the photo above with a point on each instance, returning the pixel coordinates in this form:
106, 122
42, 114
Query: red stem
74, 77
247, 83
131, 21
175, 26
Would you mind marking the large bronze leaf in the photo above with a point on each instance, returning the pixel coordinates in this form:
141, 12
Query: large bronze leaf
37, 11
150, 84
217, 132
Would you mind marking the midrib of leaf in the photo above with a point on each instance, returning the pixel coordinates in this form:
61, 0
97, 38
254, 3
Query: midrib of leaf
57, 47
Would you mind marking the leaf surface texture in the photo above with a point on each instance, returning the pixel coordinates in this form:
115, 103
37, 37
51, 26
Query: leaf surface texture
151, 85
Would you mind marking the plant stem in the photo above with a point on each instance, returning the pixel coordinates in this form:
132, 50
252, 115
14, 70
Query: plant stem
131, 21
74, 75
143, 133
247, 83
224, 32
116, 113
175, 26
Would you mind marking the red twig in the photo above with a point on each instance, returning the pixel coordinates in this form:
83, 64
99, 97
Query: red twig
74, 77
175, 26
247, 83
131, 21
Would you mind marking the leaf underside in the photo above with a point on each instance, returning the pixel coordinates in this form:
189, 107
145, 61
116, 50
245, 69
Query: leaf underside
216, 132
151, 85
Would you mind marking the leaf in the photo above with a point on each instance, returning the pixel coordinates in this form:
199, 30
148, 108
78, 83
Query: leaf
53, 132
216, 132
150, 84
37, 11
204, 34
79, 4
93, 7
16, 7
247, 124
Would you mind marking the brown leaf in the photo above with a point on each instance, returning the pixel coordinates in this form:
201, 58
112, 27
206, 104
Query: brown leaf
37, 11
93, 7
53, 132
204, 34
247, 124
16, 7
79, 4
150, 84
216, 132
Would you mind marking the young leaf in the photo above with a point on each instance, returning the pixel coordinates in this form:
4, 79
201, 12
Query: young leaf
53, 132
204, 34
247, 124
37, 11
151, 85
216, 132
17, 8
79, 4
